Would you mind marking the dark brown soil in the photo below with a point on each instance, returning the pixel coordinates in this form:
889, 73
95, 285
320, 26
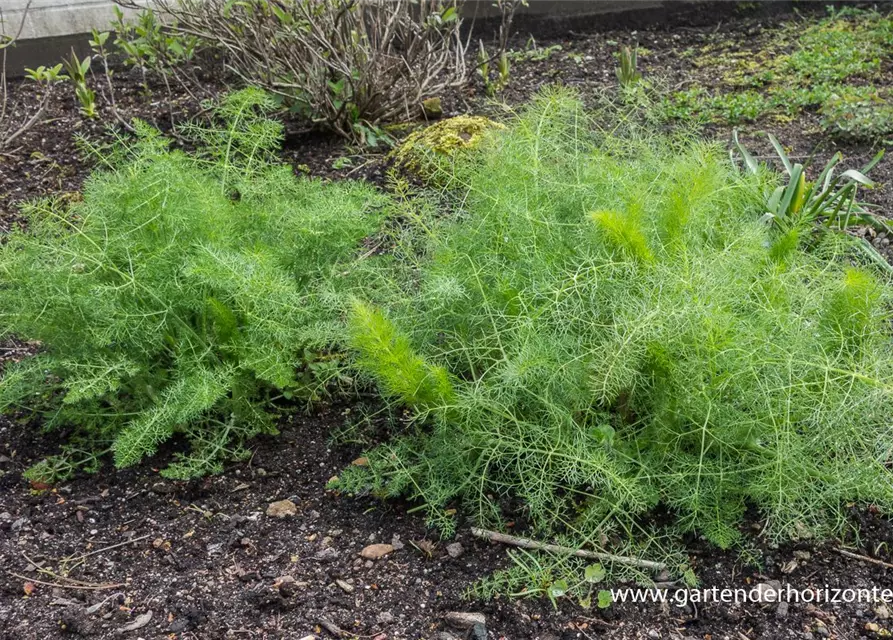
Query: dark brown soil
208, 562
205, 559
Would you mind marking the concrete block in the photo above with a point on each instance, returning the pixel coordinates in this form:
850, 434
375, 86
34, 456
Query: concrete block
51, 18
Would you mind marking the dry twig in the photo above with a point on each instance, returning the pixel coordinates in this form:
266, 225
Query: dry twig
85, 586
857, 556
339, 62
526, 543
108, 548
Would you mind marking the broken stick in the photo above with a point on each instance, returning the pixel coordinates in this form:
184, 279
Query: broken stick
527, 543
332, 628
858, 556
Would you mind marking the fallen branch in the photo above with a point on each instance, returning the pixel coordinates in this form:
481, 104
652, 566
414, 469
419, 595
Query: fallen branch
856, 556
25, 127
526, 543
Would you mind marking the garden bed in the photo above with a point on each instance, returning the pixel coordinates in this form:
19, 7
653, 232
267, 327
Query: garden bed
207, 557
209, 562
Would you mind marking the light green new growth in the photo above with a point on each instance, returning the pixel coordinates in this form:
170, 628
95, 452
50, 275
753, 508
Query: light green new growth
624, 231
389, 355
851, 310
652, 354
181, 294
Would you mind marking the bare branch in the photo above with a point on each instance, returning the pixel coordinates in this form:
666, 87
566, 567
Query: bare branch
7, 132
526, 543
339, 63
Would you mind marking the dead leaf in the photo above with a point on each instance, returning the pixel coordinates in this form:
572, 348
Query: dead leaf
161, 543
426, 546
138, 623
790, 566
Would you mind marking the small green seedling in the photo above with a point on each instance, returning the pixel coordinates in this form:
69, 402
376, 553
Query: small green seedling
46, 75
77, 73
628, 73
503, 71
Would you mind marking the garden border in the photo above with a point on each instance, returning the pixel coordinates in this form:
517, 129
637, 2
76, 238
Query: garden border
53, 27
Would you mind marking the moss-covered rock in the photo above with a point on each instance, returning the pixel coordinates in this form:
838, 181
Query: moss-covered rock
432, 108
423, 150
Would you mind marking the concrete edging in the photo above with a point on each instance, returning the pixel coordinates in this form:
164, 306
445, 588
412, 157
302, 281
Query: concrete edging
54, 18
52, 27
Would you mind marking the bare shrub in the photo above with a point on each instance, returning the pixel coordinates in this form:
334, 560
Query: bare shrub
10, 128
345, 65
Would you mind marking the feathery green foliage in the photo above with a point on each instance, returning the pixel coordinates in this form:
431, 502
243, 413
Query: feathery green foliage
390, 356
180, 294
652, 353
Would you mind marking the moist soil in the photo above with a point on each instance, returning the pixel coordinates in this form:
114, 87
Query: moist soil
129, 554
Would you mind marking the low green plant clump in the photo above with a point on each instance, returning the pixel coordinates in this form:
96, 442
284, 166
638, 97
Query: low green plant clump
180, 295
859, 113
825, 71
602, 330
148, 43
